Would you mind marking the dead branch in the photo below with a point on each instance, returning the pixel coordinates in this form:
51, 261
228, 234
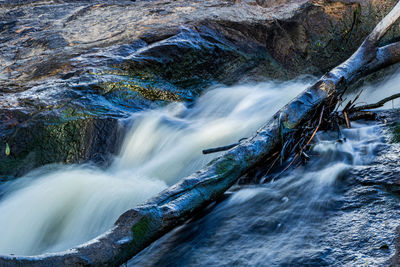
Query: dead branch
362, 115
221, 148
346, 118
378, 104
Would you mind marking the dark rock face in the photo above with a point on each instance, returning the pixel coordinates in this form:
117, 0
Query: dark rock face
71, 141
70, 69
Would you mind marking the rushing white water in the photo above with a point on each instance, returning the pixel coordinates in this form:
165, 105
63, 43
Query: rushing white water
50, 211
300, 219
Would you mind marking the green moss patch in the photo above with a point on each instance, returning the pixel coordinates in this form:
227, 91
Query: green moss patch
147, 92
396, 132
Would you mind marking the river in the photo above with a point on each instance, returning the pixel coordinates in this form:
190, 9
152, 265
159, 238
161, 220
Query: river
307, 217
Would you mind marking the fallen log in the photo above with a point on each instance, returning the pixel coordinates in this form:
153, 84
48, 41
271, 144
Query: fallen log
139, 227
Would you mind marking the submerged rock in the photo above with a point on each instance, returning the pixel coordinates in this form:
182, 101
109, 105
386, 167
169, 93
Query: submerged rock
70, 69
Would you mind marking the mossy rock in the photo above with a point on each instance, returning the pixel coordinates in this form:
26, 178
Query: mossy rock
45, 141
190, 61
178, 65
396, 132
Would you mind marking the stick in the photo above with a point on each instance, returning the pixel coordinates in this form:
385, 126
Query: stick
219, 149
377, 104
346, 118
222, 148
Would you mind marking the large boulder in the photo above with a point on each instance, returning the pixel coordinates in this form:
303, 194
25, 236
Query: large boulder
69, 70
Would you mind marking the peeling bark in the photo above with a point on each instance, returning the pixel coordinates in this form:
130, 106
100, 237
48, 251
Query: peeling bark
139, 227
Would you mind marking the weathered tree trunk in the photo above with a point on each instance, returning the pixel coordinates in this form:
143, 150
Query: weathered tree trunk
138, 227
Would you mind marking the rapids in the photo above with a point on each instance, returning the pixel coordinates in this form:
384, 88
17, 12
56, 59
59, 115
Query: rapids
315, 215
57, 207
335, 211
288, 221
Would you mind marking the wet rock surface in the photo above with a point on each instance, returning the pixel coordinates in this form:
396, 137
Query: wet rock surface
387, 170
69, 141
70, 66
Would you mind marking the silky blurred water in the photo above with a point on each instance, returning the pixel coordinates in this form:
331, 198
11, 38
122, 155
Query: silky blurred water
54, 209
315, 215
335, 211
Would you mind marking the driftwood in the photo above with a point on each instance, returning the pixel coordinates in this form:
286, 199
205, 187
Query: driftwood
351, 112
139, 227
378, 104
